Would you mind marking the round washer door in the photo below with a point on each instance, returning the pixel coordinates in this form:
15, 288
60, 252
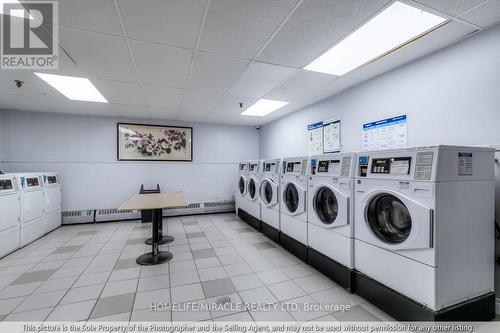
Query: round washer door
293, 198
388, 218
252, 188
268, 192
326, 205
242, 186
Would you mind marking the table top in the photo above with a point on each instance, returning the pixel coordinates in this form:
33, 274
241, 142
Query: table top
155, 201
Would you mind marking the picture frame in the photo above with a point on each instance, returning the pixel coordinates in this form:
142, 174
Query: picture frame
163, 143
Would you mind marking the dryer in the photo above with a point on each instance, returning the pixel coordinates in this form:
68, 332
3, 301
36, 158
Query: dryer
293, 208
330, 224
252, 216
424, 242
270, 198
241, 187
32, 207
52, 195
10, 206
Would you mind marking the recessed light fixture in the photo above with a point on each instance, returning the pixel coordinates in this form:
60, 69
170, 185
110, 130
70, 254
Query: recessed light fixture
16, 12
396, 25
74, 88
263, 107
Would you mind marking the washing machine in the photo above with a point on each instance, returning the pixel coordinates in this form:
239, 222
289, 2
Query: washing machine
293, 207
252, 212
330, 223
424, 240
241, 187
32, 207
10, 206
270, 198
52, 195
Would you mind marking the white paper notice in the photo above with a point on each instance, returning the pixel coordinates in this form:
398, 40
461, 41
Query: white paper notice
331, 136
388, 133
315, 138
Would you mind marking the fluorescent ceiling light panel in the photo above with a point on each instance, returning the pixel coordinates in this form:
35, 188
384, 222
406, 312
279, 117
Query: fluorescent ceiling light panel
75, 88
16, 13
263, 107
393, 27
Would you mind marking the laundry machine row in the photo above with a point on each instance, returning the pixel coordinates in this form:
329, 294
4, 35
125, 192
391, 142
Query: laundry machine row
248, 202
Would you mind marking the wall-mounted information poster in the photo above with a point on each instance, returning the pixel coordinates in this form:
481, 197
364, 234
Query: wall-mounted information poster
387, 133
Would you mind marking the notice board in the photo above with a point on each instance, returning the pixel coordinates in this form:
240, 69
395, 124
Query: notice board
324, 137
390, 133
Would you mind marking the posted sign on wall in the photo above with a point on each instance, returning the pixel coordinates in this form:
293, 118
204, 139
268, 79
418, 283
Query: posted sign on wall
387, 133
324, 137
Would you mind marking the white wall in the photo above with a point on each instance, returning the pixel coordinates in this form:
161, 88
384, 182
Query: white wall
83, 150
2, 141
450, 97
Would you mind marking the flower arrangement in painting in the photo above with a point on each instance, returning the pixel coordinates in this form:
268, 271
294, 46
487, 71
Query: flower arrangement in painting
147, 145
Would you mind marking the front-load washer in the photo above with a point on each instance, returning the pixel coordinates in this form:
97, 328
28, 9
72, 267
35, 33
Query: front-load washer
32, 207
293, 208
424, 241
10, 206
270, 198
52, 195
330, 223
252, 216
241, 188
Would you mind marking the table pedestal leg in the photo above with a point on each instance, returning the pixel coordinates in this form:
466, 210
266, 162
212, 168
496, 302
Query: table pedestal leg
163, 239
156, 256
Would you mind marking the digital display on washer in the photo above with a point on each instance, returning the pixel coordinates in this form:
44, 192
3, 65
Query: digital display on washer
242, 167
5, 184
293, 167
252, 167
32, 182
52, 179
270, 166
393, 166
325, 166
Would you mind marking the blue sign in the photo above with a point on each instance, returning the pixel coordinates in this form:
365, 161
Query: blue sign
315, 126
385, 122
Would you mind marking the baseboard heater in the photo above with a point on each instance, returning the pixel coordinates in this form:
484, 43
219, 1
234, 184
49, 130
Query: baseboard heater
112, 214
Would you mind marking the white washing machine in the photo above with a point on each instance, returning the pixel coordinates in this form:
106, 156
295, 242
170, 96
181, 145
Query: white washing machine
32, 207
424, 241
241, 187
293, 207
252, 216
10, 206
270, 198
330, 227
52, 195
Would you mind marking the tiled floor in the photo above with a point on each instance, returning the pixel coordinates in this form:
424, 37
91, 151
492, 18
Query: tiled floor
88, 272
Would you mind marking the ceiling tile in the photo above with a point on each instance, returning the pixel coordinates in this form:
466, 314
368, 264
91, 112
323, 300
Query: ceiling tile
215, 73
133, 111
61, 104
451, 7
32, 86
162, 65
9, 102
229, 104
197, 100
259, 78
445, 35
193, 116
173, 22
240, 28
316, 26
220, 118
164, 113
164, 97
92, 15
120, 92
102, 56
486, 15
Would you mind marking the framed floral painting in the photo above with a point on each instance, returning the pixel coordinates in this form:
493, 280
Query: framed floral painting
137, 142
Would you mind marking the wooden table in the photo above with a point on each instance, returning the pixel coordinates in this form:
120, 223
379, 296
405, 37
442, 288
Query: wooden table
156, 203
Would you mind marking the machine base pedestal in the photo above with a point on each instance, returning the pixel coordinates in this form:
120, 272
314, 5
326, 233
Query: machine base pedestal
249, 219
331, 268
270, 232
163, 240
402, 308
294, 247
148, 259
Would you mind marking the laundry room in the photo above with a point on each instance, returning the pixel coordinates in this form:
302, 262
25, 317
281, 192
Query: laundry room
315, 164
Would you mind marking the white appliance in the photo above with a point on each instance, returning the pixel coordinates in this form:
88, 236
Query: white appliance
52, 195
32, 207
424, 242
241, 187
293, 208
270, 198
330, 227
10, 206
252, 216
